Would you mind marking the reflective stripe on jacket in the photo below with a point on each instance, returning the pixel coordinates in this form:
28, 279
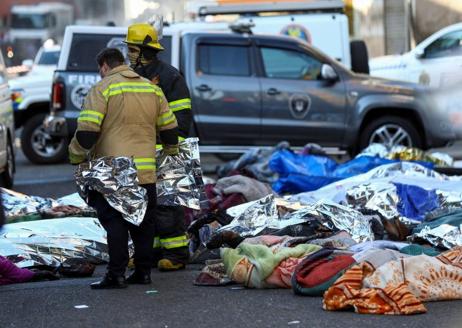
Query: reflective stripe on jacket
127, 111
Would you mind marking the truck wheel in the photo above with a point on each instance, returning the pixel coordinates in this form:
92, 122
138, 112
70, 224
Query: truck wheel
7, 176
391, 131
38, 146
359, 57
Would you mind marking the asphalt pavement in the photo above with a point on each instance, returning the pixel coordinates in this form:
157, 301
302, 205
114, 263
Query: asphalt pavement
172, 300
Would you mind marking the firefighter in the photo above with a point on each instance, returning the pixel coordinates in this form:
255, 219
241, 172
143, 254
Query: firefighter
171, 243
120, 117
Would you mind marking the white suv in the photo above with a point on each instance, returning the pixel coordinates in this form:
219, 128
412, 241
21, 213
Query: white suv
435, 62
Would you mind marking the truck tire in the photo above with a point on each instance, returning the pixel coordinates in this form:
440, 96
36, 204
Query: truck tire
7, 176
38, 146
359, 57
390, 131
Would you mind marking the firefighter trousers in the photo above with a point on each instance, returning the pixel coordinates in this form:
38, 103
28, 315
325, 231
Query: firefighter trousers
170, 240
118, 229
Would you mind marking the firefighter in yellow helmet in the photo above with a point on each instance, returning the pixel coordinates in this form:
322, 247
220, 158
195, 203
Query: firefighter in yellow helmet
171, 243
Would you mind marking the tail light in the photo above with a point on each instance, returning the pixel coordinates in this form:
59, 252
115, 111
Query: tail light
57, 96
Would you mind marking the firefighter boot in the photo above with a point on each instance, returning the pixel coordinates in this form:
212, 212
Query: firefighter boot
169, 265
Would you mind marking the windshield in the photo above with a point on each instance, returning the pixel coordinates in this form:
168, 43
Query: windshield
49, 58
30, 21
85, 47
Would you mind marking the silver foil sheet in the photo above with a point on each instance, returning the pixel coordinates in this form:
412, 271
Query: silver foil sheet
116, 179
261, 214
264, 214
17, 205
179, 177
336, 216
50, 242
445, 236
376, 197
382, 198
401, 172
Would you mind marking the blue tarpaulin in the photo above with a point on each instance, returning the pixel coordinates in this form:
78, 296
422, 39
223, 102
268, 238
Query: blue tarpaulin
415, 202
300, 173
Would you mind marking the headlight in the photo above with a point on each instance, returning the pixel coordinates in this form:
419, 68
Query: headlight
17, 96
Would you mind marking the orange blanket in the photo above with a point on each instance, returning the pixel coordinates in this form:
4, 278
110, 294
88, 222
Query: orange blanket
398, 287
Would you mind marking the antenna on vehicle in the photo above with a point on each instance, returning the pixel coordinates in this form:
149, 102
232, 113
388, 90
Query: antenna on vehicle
242, 28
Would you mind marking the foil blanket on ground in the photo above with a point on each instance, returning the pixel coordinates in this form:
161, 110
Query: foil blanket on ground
445, 236
51, 242
19, 205
179, 178
264, 214
20, 208
378, 197
116, 179
382, 198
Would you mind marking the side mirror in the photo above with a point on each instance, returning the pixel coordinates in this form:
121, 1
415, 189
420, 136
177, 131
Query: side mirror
28, 62
328, 73
419, 53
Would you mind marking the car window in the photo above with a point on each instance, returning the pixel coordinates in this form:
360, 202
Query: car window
223, 60
166, 54
85, 47
49, 58
448, 45
289, 64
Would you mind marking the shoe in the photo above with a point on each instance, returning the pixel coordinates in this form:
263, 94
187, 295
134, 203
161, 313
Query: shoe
110, 282
139, 278
169, 265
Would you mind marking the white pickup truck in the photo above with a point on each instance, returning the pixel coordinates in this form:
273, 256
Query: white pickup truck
31, 103
435, 62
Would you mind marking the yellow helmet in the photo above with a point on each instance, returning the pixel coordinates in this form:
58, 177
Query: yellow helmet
143, 34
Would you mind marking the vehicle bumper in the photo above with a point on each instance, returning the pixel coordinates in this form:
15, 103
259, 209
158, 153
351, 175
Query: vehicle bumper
60, 124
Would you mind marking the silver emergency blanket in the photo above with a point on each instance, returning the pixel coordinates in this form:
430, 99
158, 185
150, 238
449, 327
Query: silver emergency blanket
116, 179
382, 198
261, 214
264, 214
344, 218
445, 236
179, 177
403, 172
17, 205
50, 242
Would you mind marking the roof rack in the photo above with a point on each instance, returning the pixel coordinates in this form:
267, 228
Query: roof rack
301, 6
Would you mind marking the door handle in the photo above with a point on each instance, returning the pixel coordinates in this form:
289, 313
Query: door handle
273, 91
203, 88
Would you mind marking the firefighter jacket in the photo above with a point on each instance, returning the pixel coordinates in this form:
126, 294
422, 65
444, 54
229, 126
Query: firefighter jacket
126, 111
174, 87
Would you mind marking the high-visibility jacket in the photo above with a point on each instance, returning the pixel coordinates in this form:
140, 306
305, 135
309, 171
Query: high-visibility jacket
127, 111
174, 87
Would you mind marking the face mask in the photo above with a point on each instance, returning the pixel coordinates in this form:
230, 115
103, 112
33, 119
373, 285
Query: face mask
133, 55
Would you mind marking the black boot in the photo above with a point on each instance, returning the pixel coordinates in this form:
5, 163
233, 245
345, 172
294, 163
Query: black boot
110, 282
138, 277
